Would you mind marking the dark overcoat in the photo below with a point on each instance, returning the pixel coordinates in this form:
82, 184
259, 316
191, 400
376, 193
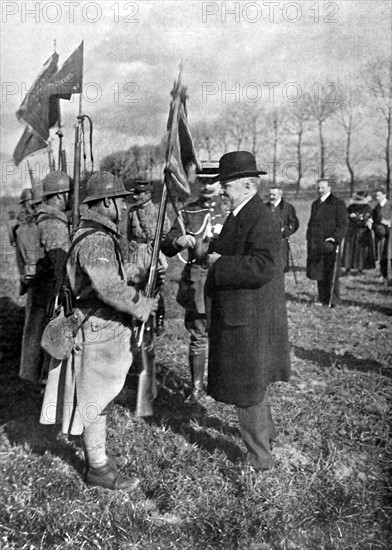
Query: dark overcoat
327, 219
289, 224
358, 251
248, 342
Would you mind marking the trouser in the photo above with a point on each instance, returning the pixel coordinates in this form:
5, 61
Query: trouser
257, 430
325, 284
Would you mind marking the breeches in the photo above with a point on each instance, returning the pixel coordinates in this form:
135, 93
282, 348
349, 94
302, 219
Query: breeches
196, 325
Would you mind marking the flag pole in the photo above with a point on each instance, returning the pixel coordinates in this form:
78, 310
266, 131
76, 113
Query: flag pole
32, 179
77, 160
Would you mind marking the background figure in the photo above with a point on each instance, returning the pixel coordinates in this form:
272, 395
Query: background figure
327, 228
11, 225
382, 215
198, 223
140, 233
287, 218
45, 247
358, 250
248, 341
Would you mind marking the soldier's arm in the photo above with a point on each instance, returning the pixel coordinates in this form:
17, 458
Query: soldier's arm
168, 245
55, 239
97, 258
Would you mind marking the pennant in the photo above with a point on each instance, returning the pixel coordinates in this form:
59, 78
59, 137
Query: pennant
29, 143
69, 79
181, 151
34, 109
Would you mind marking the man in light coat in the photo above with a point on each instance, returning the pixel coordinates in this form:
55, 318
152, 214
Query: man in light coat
248, 342
80, 389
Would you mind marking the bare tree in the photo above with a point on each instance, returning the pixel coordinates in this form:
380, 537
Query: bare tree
203, 135
320, 109
350, 118
274, 130
379, 83
296, 125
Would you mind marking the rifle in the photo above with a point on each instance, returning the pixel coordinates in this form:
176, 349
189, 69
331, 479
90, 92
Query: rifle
147, 389
291, 259
335, 269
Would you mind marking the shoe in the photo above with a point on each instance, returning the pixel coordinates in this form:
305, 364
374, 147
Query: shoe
109, 478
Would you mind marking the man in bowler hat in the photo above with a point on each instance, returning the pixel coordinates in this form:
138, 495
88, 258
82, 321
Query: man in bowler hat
248, 342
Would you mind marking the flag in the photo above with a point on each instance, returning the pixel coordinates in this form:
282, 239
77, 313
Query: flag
29, 143
181, 151
34, 109
69, 79
41, 108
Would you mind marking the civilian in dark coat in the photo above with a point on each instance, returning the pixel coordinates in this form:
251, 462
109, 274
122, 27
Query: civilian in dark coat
382, 219
326, 229
248, 343
358, 250
287, 217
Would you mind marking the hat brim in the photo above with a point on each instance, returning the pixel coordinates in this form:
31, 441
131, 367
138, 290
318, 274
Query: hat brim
239, 175
99, 196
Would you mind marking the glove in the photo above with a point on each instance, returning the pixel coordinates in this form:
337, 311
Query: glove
144, 308
185, 241
161, 276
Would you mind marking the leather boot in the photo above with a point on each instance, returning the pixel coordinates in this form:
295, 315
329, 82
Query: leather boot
197, 364
107, 476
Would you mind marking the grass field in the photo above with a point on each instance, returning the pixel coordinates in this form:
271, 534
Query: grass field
331, 486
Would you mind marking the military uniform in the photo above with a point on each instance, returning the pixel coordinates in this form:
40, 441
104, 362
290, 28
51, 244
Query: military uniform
203, 219
53, 242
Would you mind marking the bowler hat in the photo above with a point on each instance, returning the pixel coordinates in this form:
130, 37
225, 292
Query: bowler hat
236, 165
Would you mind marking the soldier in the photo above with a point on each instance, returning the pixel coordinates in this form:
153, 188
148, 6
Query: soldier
25, 217
37, 198
287, 218
142, 220
197, 224
80, 389
45, 249
327, 228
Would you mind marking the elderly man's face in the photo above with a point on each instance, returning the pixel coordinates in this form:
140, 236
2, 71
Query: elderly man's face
235, 192
274, 194
323, 188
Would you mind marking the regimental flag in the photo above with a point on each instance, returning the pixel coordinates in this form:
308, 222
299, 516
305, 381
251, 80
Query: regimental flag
181, 151
40, 108
34, 107
29, 143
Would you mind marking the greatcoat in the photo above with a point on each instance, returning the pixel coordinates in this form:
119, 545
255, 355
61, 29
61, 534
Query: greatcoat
289, 224
248, 342
52, 243
383, 239
79, 388
358, 251
327, 219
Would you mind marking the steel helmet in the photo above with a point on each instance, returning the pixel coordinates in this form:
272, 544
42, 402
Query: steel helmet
103, 185
37, 193
55, 182
25, 196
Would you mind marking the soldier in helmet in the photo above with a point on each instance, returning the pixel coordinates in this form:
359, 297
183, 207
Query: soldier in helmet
37, 198
81, 388
142, 221
44, 260
197, 224
24, 218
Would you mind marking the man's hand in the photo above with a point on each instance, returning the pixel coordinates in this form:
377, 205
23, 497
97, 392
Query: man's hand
185, 241
212, 258
161, 275
145, 307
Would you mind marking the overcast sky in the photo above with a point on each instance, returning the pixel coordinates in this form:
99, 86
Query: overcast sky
133, 49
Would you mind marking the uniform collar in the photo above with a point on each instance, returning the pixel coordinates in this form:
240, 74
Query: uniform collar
90, 215
52, 211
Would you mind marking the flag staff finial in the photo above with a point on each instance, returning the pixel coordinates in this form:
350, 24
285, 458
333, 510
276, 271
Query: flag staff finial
54, 45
